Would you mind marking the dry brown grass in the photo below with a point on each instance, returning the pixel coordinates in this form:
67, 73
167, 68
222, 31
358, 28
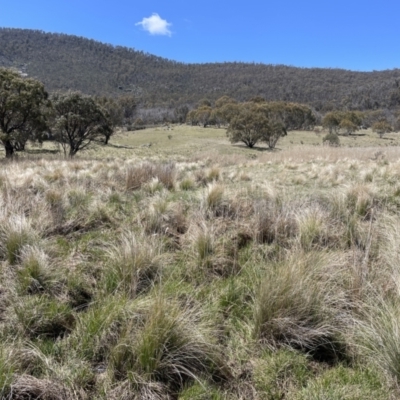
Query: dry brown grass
253, 253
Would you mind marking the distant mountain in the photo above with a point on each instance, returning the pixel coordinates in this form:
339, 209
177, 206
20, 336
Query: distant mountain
65, 62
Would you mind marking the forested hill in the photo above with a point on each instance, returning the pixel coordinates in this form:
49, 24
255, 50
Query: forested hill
69, 62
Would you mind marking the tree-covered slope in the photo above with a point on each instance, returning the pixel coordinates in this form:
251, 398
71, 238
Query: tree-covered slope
69, 62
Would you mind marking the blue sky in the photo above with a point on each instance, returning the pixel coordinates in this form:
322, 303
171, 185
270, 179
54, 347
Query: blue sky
352, 34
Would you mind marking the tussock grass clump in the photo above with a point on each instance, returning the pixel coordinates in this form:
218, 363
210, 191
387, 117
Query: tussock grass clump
378, 320
187, 184
165, 218
208, 251
274, 223
134, 264
297, 305
166, 174
204, 177
153, 186
214, 203
97, 330
361, 200
78, 198
41, 364
29, 387
171, 344
79, 291
279, 374
312, 229
388, 238
126, 390
137, 176
55, 200
15, 233
378, 334
35, 275
214, 196
40, 316
7, 369
213, 174
204, 242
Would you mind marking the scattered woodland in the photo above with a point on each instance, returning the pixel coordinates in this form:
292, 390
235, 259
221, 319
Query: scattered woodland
244, 248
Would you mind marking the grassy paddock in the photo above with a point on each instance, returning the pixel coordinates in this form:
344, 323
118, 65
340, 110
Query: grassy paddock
181, 142
194, 269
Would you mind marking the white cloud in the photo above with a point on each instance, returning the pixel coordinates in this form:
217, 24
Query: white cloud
155, 25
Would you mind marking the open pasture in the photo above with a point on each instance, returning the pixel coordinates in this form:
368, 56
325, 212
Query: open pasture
195, 269
180, 142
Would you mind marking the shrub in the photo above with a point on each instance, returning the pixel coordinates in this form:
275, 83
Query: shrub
332, 139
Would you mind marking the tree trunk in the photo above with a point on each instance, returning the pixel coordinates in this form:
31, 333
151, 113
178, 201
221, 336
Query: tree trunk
9, 149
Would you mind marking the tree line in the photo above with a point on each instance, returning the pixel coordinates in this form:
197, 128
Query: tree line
257, 120
75, 120
72, 119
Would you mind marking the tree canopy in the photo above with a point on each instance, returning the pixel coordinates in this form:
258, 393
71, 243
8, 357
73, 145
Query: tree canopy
348, 121
78, 121
262, 121
249, 126
381, 127
21, 110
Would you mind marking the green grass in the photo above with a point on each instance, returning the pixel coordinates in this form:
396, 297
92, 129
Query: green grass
189, 141
194, 269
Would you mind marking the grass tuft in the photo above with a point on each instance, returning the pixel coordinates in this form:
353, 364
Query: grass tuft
173, 344
15, 233
134, 264
35, 275
39, 316
295, 307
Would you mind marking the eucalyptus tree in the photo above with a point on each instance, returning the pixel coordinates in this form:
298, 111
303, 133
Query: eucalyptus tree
22, 104
262, 121
382, 127
78, 121
251, 125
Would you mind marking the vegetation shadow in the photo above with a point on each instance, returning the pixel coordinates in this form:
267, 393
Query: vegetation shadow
257, 148
42, 151
116, 146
